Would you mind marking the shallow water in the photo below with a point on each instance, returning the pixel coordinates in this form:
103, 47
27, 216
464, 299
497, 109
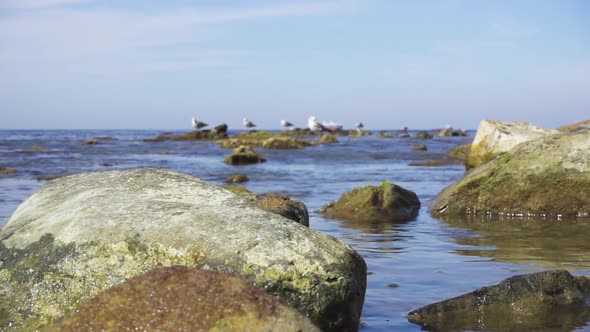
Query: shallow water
410, 264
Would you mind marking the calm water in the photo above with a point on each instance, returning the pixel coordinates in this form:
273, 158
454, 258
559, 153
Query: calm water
410, 264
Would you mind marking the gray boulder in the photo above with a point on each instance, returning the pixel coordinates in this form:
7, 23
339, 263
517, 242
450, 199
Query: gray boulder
81, 234
537, 301
546, 177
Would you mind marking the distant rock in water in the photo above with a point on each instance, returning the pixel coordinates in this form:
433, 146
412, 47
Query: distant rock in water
197, 135
244, 155
386, 202
81, 234
237, 178
220, 129
327, 139
495, 137
7, 170
424, 135
419, 147
538, 301
544, 178
459, 152
178, 298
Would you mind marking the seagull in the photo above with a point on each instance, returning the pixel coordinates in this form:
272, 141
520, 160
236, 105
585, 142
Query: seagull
314, 125
286, 124
198, 124
247, 123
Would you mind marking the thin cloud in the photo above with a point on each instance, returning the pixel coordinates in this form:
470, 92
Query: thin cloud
35, 4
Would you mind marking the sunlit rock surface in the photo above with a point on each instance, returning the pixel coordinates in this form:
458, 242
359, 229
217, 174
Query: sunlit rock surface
494, 137
178, 298
81, 234
538, 301
548, 177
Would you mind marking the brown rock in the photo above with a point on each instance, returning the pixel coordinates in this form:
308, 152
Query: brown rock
244, 155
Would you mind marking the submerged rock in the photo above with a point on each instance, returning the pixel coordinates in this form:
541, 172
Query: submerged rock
423, 135
495, 137
419, 147
541, 300
546, 177
236, 178
244, 155
81, 234
281, 142
386, 202
178, 298
7, 170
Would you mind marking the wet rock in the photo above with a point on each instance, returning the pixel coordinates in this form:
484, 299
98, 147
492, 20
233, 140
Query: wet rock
74, 237
423, 135
538, 178
582, 125
236, 178
495, 137
220, 129
90, 141
160, 138
198, 135
386, 202
178, 298
419, 147
327, 139
531, 301
280, 142
451, 132
236, 189
7, 170
459, 152
285, 206
244, 155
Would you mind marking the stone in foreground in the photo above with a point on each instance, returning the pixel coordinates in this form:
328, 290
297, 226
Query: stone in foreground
386, 202
546, 177
178, 298
81, 234
550, 299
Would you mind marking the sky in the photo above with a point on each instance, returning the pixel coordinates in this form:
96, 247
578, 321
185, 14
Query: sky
141, 64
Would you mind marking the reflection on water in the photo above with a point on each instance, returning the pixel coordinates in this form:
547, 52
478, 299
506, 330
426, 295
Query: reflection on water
551, 244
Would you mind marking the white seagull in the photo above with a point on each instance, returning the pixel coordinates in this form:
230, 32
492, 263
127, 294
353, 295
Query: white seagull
314, 125
198, 124
247, 123
286, 124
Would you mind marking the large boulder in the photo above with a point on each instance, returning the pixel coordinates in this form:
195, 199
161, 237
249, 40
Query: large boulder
495, 137
178, 298
546, 177
535, 301
386, 202
81, 234
244, 155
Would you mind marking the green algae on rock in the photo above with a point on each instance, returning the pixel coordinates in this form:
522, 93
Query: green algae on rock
495, 137
459, 152
386, 202
532, 301
120, 224
244, 155
546, 177
177, 298
327, 139
236, 178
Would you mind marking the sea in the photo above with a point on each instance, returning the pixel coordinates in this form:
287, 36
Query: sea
410, 264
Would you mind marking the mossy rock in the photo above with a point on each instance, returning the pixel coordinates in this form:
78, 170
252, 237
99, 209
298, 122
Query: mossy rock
328, 139
459, 152
386, 134
538, 178
280, 142
423, 135
244, 155
524, 302
236, 178
419, 147
7, 170
386, 202
160, 138
198, 135
73, 239
179, 298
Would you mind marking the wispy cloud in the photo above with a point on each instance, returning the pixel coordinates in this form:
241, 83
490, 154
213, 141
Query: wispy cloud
51, 35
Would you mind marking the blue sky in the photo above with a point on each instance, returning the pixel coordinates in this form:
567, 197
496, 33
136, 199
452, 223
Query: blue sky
110, 64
